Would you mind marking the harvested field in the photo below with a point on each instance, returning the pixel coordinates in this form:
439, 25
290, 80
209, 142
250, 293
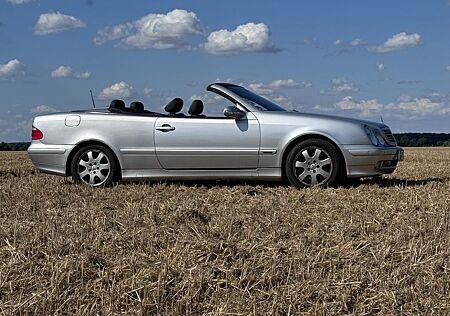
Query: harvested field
376, 247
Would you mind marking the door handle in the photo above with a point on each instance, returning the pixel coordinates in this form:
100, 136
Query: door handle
165, 128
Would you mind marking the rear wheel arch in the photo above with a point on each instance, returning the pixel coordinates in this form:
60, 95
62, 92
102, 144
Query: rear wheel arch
84, 144
304, 137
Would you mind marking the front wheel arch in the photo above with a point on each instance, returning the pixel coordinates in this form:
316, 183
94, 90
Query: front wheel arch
84, 144
301, 138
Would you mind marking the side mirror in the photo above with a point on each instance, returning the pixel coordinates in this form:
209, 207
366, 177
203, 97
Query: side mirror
233, 112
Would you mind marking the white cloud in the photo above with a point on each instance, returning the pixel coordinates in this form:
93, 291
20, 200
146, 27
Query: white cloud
49, 23
154, 31
148, 91
62, 72
43, 109
282, 100
268, 89
20, 1
364, 107
289, 83
380, 67
321, 108
11, 69
413, 108
82, 75
261, 88
249, 37
357, 42
397, 42
111, 33
67, 72
340, 86
120, 90
406, 107
354, 43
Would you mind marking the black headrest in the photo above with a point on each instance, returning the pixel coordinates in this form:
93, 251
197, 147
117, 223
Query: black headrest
137, 107
174, 106
196, 107
117, 105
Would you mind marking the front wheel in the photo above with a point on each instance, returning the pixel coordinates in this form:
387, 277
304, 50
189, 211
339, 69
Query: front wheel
313, 162
94, 165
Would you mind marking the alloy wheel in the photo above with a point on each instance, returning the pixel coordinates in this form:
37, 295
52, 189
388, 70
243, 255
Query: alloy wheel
313, 166
94, 167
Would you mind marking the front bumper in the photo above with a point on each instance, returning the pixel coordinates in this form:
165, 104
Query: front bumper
369, 161
49, 158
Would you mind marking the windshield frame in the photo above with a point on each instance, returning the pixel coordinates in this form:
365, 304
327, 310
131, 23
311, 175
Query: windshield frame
256, 101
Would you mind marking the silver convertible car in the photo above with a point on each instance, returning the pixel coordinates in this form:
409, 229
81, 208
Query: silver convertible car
253, 139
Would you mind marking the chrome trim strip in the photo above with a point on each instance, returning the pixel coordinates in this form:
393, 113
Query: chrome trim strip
202, 152
372, 152
267, 151
138, 151
46, 151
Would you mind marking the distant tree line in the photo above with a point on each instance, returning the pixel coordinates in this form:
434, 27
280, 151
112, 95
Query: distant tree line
13, 146
403, 139
423, 139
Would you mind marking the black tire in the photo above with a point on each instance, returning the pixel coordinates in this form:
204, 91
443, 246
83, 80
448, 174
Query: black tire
306, 170
84, 169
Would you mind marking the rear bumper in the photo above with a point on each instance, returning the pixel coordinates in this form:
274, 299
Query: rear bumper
49, 158
367, 161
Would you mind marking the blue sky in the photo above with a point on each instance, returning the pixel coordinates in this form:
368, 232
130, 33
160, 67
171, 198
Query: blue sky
356, 58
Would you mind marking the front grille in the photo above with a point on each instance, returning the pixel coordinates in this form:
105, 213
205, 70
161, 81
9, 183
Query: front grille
389, 136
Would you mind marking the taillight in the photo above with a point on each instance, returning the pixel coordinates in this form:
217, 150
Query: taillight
36, 134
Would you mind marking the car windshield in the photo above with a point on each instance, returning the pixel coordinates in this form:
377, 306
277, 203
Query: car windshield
255, 100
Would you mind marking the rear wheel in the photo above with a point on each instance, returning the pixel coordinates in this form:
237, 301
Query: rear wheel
94, 165
313, 162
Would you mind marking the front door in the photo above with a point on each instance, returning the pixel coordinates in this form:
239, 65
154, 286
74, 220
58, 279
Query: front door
207, 143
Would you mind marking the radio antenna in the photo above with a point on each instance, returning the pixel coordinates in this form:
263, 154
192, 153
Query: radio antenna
92, 98
381, 117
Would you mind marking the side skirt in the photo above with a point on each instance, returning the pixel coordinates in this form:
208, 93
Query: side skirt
268, 174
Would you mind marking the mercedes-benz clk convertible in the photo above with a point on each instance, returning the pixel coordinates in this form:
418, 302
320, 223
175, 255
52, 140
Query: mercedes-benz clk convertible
253, 139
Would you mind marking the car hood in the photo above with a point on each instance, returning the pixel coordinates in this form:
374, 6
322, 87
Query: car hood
336, 118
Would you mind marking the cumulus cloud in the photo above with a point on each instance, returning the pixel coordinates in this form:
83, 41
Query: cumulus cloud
405, 108
67, 72
272, 89
354, 43
43, 109
290, 83
111, 33
11, 69
249, 37
20, 1
414, 108
340, 86
49, 23
154, 31
397, 42
268, 89
120, 90
357, 42
365, 108
260, 88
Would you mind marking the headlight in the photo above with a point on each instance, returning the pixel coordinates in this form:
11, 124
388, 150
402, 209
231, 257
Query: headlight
375, 136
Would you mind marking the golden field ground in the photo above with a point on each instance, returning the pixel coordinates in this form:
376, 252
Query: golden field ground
375, 247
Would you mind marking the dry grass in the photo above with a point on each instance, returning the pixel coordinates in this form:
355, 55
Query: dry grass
174, 249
